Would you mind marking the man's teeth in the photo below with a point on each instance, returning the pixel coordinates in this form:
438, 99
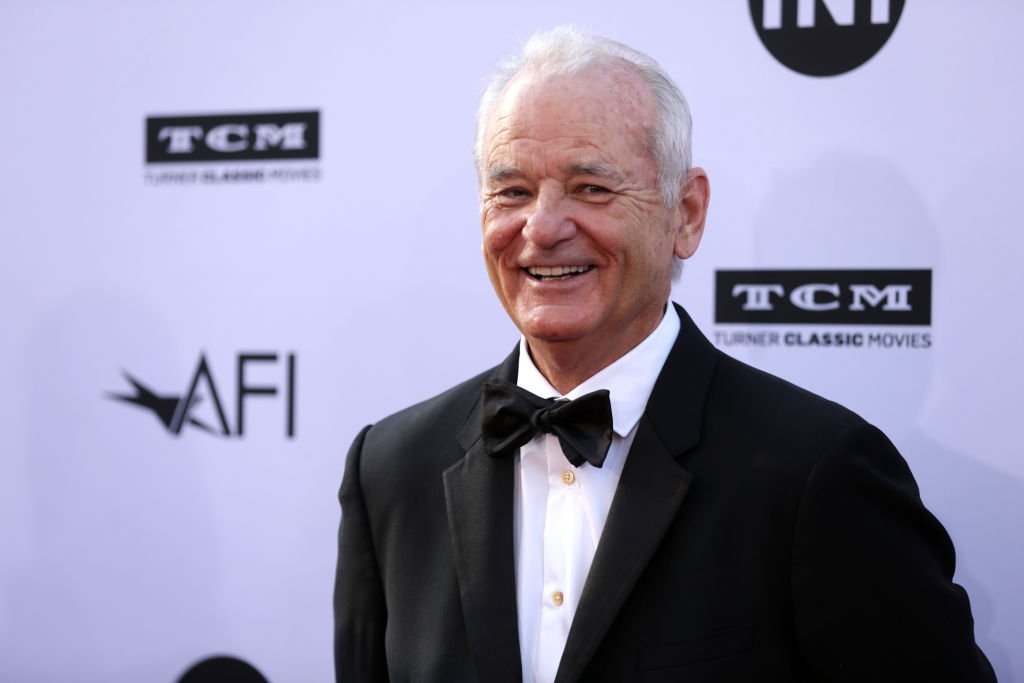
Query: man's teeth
556, 271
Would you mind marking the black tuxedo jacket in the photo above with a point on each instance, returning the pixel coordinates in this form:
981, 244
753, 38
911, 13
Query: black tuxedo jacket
758, 533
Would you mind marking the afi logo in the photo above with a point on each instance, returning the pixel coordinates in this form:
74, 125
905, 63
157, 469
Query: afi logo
177, 411
850, 297
235, 137
825, 37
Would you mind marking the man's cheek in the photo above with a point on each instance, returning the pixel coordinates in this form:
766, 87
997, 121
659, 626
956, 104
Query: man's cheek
498, 241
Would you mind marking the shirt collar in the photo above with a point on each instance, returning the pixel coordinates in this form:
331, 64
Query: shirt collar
629, 380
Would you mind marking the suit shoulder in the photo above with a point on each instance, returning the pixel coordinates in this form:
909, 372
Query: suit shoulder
773, 434
439, 416
771, 403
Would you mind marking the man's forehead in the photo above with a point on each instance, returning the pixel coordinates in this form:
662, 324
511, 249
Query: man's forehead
611, 86
576, 123
602, 77
608, 91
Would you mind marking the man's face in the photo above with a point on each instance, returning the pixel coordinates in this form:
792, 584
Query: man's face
577, 240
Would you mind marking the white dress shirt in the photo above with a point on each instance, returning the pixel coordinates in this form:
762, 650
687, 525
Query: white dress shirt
559, 510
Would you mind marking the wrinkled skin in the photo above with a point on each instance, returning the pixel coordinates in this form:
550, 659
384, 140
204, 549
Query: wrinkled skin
568, 182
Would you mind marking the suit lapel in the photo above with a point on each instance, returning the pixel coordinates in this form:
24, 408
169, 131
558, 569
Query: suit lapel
649, 495
478, 494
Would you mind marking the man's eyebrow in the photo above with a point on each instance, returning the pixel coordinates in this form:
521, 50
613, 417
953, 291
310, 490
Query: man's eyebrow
594, 168
500, 173
598, 169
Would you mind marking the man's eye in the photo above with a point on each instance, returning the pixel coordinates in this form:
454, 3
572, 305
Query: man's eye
594, 193
511, 193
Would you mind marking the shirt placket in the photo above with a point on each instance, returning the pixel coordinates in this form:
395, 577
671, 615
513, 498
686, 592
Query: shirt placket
566, 537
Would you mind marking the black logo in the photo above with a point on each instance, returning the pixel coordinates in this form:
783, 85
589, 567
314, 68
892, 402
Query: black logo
233, 137
177, 411
845, 297
222, 670
825, 37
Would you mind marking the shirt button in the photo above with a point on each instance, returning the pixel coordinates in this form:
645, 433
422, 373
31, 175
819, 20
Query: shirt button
558, 598
568, 477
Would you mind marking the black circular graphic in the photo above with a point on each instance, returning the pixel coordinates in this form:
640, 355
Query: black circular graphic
222, 670
825, 37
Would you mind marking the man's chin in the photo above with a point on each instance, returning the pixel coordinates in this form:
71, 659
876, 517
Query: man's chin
556, 332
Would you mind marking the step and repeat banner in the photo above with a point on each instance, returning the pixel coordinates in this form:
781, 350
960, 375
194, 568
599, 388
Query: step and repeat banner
233, 233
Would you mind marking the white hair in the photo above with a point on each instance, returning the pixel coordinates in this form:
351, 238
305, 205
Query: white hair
568, 50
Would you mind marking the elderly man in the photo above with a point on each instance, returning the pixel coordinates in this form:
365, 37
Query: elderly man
617, 500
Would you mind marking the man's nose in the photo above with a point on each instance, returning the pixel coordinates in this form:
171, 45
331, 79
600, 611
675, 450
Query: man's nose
550, 220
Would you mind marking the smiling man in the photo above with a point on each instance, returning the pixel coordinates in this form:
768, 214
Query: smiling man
617, 500
578, 237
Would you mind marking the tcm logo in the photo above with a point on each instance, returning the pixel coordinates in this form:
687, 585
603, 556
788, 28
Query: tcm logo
825, 37
201, 405
845, 297
233, 137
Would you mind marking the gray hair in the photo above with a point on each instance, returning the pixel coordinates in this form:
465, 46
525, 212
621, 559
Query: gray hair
568, 50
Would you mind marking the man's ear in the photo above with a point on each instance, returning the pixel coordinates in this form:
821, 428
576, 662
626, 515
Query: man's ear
693, 205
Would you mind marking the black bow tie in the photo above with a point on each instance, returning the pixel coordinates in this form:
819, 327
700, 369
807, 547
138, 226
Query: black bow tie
512, 416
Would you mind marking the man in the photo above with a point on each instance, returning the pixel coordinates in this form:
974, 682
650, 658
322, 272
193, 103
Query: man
726, 526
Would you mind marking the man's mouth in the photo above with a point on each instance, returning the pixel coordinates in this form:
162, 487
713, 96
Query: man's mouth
556, 272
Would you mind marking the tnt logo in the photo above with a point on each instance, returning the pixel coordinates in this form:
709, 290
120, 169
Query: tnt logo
234, 137
825, 37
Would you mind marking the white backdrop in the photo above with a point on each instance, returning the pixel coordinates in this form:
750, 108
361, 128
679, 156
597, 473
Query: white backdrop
127, 552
